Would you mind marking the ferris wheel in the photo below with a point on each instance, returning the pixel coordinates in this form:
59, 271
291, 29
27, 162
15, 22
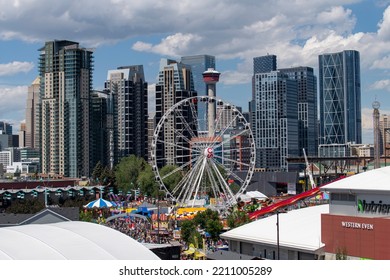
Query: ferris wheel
211, 162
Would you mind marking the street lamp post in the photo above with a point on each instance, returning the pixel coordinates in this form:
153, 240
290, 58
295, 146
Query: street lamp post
277, 230
277, 234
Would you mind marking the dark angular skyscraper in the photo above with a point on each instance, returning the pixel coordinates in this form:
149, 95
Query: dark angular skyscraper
340, 98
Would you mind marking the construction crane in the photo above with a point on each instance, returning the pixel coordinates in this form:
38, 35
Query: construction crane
308, 170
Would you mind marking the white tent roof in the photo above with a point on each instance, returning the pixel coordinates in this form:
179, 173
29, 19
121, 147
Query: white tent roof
252, 194
373, 180
69, 241
300, 229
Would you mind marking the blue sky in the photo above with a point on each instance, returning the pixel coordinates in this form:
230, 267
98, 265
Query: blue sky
124, 32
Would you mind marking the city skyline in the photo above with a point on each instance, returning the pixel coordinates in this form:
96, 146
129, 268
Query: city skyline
296, 34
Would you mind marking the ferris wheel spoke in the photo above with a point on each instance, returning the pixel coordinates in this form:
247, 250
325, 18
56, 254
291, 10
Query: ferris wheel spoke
232, 160
198, 182
229, 172
213, 182
181, 186
185, 123
186, 192
180, 168
230, 139
174, 145
179, 134
187, 179
224, 186
230, 125
194, 115
237, 149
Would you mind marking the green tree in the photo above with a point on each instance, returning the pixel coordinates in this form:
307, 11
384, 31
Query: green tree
202, 217
107, 177
172, 180
209, 220
97, 172
196, 239
86, 216
147, 182
187, 229
127, 172
237, 218
214, 228
25, 206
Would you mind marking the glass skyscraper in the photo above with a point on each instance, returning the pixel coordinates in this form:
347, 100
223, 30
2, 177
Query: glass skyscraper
129, 94
275, 122
340, 98
264, 64
65, 71
307, 108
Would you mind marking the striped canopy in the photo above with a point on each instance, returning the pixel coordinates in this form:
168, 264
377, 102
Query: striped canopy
100, 203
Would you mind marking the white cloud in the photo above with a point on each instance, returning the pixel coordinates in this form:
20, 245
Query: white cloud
141, 46
173, 45
13, 104
337, 18
381, 63
384, 26
15, 67
381, 85
234, 78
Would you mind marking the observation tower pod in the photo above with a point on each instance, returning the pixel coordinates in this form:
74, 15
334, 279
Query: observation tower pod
211, 77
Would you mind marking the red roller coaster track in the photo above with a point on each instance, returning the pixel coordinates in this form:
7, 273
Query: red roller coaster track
287, 202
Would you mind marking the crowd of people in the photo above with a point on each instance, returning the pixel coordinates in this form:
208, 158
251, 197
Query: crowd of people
139, 229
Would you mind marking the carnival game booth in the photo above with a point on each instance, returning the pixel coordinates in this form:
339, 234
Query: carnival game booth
358, 225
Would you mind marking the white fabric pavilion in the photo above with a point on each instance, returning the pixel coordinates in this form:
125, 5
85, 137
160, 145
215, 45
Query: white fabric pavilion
69, 241
375, 180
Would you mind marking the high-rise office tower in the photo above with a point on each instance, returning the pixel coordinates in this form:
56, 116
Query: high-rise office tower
65, 71
340, 98
264, 64
174, 84
32, 115
307, 108
5, 128
129, 93
261, 64
275, 120
199, 64
100, 130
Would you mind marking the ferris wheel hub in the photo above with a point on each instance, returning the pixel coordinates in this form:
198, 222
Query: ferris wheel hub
209, 152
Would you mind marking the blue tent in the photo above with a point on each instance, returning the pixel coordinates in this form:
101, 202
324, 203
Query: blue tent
143, 211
